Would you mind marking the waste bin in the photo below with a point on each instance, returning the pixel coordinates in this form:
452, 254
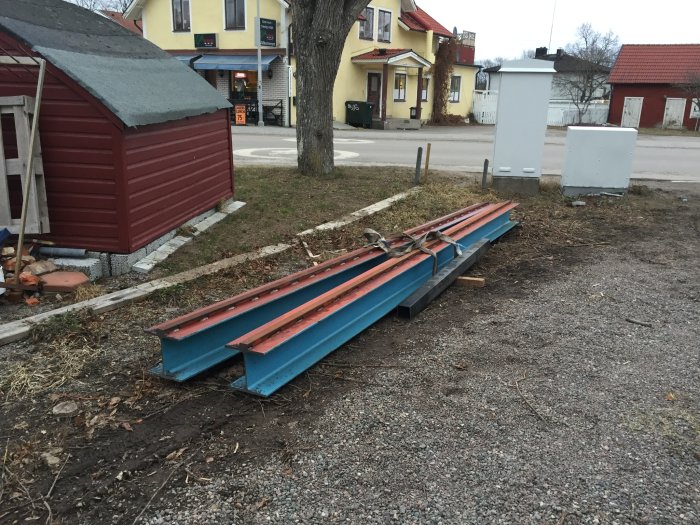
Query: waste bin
359, 113
414, 112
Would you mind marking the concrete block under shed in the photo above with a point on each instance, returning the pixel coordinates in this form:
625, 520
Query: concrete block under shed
90, 267
598, 159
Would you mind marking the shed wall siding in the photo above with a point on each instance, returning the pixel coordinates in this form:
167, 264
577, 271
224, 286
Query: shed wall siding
78, 153
175, 171
654, 104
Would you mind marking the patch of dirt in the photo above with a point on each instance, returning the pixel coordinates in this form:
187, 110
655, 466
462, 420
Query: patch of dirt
132, 433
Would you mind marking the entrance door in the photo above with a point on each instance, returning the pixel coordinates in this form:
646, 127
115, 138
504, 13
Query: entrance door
374, 92
632, 112
674, 112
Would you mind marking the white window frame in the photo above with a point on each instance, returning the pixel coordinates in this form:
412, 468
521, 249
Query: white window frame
398, 91
245, 16
172, 16
391, 14
459, 91
374, 18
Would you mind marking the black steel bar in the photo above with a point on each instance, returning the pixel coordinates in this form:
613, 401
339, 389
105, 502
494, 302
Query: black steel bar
433, 287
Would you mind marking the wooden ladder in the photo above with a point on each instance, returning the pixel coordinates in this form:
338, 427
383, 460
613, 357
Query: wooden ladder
21, 108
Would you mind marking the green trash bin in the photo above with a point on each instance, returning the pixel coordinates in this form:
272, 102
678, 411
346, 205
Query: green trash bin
359, 113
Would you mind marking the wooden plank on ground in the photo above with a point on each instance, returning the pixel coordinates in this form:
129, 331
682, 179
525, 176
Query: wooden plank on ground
471, 282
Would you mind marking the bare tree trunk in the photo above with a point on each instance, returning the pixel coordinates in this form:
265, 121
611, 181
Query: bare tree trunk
321, 28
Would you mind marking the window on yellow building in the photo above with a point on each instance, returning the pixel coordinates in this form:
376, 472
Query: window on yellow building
384, 29
235, 14
424, 92
400, 87
455, 88
181, 15
367, 25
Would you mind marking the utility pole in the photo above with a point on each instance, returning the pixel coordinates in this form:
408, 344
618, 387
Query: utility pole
261, 122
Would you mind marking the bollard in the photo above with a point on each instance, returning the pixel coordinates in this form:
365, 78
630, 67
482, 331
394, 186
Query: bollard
419, 161
486, 173
427, 163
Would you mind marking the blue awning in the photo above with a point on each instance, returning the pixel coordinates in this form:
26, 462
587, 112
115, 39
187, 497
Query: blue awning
186, 59
234, 62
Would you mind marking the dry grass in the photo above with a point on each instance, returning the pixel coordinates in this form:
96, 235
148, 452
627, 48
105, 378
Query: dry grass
64, 346
88, 291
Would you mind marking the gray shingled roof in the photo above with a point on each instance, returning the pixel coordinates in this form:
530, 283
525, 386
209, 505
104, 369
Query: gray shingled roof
137, 81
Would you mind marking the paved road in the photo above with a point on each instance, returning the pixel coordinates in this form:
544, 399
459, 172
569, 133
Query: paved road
462, 149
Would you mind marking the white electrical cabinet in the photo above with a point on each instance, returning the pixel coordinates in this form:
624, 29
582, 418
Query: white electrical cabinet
523, 101
598, 159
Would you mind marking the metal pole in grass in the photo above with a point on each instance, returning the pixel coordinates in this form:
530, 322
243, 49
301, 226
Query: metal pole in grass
485, 174
427, 163
419, 161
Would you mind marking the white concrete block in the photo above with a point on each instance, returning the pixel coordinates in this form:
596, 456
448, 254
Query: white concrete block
90, 267
146, 264
207, 223
232, 206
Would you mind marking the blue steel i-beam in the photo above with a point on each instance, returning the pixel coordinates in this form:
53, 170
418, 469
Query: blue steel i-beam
266, 373
184, 358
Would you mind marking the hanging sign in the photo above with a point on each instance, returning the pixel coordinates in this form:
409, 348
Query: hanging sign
268, 32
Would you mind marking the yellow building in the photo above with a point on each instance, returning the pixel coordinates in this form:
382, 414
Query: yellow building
386, 61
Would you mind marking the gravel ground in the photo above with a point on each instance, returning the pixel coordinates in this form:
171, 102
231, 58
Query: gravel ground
543, 400
564, 392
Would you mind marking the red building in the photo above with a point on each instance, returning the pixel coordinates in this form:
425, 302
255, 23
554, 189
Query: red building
647, 86
133, 143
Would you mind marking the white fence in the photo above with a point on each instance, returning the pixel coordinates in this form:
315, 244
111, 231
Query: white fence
484, 106
566, 114
559, 113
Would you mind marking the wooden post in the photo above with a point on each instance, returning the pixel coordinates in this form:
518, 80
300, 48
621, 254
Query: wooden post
485, 174
385, 90
30, 168
419, 161
427, 163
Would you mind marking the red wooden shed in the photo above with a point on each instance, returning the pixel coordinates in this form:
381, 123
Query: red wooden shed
647, 86
133, 143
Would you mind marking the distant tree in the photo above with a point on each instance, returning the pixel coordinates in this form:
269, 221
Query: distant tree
92, 5
442, 74
691, 87
116, 5
321, 30
527, 53
596, 53
481, 77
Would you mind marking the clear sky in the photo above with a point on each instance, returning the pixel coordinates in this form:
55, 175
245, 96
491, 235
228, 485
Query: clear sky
507, 27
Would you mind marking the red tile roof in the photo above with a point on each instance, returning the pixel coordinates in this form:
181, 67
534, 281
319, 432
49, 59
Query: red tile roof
132, 25
655, 64
376, 54
419, 20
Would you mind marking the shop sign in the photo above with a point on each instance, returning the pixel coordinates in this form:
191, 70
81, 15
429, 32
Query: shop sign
240, 114
205, 40
268, 32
